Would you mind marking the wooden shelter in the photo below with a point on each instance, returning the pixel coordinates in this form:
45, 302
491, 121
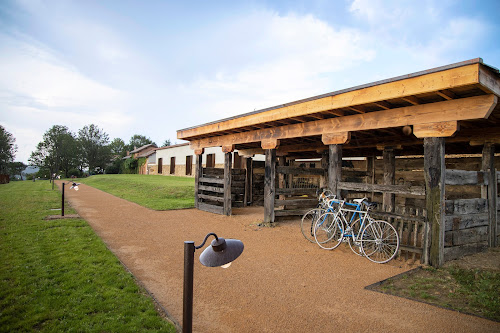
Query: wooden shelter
452, 109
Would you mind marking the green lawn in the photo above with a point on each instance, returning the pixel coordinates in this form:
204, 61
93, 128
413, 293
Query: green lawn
152, 191
58, 276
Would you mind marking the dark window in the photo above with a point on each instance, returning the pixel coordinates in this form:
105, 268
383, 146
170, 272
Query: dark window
211, 161
160, 166
172, 165
189, 165
237, 161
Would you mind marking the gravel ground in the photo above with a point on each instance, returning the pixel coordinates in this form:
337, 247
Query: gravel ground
281, 282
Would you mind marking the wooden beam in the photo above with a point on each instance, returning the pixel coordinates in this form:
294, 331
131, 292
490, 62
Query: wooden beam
434, 171
199, 151
461, 109
446, 79
489, 80
269, 185
270, 143
446, 94
227, 148
490, 192
389, 161
435, 130
383, 104
248, 181
356, 109
412, 100
336, 138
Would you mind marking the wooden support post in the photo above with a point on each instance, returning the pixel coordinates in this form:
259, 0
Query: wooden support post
281, 178
228, 158
370, 172
248, 181
334, 168
490, 191
269, 185
389, 176
434, 170
323, 181
198, 173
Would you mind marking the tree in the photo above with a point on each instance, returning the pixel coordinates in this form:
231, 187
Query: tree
166, 143
57, 151
8, 149
94, 147
138, 140
16, 169
118, 148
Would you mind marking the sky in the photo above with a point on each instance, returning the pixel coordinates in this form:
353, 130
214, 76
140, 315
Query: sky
155, 67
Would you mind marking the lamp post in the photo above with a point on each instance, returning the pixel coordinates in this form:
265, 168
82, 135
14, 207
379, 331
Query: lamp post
221, 253
73, 186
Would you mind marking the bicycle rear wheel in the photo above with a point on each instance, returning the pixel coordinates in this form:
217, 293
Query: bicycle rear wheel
353, 236
328, 231
307, 223
380, 242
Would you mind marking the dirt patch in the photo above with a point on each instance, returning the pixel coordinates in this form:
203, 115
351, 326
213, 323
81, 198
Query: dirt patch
281, 282
469, 285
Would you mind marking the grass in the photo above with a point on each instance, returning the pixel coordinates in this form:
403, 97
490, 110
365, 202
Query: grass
474, 291
58, 276
151, 191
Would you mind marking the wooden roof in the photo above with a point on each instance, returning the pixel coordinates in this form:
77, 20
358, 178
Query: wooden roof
458, 101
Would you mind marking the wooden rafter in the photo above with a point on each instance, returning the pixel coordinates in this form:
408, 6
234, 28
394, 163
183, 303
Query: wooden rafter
467, 75
446, 94
461, 109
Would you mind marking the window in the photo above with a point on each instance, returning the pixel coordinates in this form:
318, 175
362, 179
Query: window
237, 161
172, 165
160, 166
210, 160
189, 165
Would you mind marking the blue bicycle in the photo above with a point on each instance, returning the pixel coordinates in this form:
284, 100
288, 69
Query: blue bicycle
376, 240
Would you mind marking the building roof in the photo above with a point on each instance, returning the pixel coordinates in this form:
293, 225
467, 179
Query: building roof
142, 148
463, 94
173, 146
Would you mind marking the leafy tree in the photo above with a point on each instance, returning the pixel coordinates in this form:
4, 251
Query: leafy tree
57, 151
138, 140
166, 143
94, 147
16, 169
8, 149
118, 148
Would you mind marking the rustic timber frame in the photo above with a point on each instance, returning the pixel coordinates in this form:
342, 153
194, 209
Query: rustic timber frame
452, 109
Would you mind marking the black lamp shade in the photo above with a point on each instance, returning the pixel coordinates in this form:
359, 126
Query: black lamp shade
222, 251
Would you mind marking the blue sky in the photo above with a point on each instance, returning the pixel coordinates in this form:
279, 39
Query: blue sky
153, 67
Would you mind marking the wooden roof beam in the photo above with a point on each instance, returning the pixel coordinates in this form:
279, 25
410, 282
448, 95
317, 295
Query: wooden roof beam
447, 94
460, 109
426, 83
383, 104
356, 109
412, 100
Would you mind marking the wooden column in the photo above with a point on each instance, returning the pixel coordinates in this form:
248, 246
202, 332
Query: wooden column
434, 170
269, 185
228, 157
198, 173
323, 181
490, 191
281, 178
370, 172
334, 168
389, 177
248, 181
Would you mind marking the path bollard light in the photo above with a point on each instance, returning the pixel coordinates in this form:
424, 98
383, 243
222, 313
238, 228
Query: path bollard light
220, 253
73, 186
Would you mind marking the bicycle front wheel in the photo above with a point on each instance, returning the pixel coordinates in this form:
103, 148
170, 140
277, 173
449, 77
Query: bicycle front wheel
307, 223
354, 237
328, 231
380, 242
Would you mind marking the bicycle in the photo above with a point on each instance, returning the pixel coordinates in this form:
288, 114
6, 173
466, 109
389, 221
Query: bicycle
376, 240
310, 217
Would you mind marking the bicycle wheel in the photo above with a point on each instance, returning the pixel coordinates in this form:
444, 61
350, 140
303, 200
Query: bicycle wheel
353, 236
328, 231
379, 242
307, 223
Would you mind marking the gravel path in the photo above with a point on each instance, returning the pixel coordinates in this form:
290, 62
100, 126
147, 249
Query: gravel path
281, 282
